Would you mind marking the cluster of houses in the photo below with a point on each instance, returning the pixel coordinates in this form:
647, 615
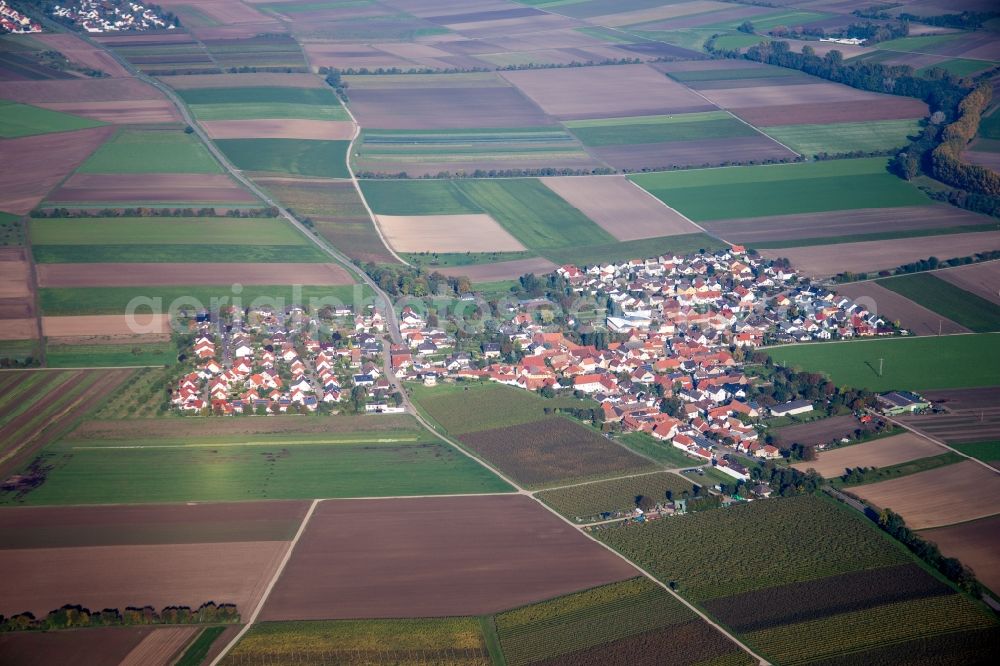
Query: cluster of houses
270, 363
112, 16
14, 21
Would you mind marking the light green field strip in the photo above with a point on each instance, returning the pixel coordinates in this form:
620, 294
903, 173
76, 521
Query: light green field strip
649, 120
763, 72
164, 231
268, 110
151, 151
17, 120
392, 440
925, 43
959, 67
789, 19
718, 194
660, 129
837, 138
301, 157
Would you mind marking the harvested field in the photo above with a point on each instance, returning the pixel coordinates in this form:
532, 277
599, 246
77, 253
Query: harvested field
504, 270
624, 210
660, 13
14, 273
875, 108
82, 53
33, 165
552, 450
134, 112
980, 279
434, 557
876, 453
955, 400
898, 308
253, 80
990, 160
79, 90
286, 128
142, 275
976, 544
842, 225
175, 188
447, 233
102, 646
156, 524
822, 260
120, 576
102, 325
753, 97
820, 431
942, 496
625, 90
971, 425
445, 108
825, 597
703, 152
161, 647
18, 329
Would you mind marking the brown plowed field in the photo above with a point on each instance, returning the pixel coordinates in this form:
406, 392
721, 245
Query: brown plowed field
18, 329
286, 128
445, 108
781, 95
148, 275
751, 230
663, 12
943, 496
258, 79
711, 152
98, 325
147, 525
16, 308
82, 53
877, 453
896, 307
79, 90
822, 260
820, 431
879, 108
433, 557
447, 233
135, 112
606, 92
14, 273
161, 647
623, 209
505, 270
104, 646
980, 279
139, 187
965, 399
119, 576
33, 165
973, 425
976, 544
983, 159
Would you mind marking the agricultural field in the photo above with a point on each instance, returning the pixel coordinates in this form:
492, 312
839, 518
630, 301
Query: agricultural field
151, 151
552, 451
968, 309
635, 621
452, 641
881, 452
719, 194
817, 431
224, 468
59, 355
104, 646
979, 279
56, 276
585, 503
907, 363
18, 120
300, 157
897, 308
975, 544
942, 496
828, 540
838, 138
262, 102
464, 556
662, 452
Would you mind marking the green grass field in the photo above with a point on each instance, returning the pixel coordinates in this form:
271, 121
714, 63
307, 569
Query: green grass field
845, 137
759, 191
738, 40
780, 541
95, 472
955, 361
259, 110
958, 67
11, 230
658, 129
86, 356
151, 151
446, 641
196, 652
789, 18
916, 44
18, 120
989, 126
985, 451
164, 231
301, 157
972, 311
417, 197
663, 453
77, 254
114, 300
466, 407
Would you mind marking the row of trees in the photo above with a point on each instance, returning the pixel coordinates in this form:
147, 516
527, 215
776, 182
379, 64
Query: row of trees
946, 160
75, 616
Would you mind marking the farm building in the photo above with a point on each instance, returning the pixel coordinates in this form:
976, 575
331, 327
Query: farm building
902, 402
792, 408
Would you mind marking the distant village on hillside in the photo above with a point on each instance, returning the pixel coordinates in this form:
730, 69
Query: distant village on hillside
13, 21
98, 16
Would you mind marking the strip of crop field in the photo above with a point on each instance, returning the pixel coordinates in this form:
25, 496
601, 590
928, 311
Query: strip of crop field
152, 151
155, 231
659, 129
872, 136
26, 120
254, 254
110, 355
304, 157
968, 309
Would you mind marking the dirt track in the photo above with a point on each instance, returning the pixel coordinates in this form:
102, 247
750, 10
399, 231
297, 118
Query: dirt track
148, 275
434, 557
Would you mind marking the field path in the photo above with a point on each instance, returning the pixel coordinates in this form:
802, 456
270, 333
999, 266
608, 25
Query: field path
248, 622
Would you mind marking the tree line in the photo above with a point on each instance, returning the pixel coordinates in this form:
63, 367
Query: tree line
73, 616
946, 159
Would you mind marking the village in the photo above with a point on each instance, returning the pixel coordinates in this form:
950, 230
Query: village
13, 21
668, 359
97, 16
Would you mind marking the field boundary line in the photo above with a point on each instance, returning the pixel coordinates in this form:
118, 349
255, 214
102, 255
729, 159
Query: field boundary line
270, 586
